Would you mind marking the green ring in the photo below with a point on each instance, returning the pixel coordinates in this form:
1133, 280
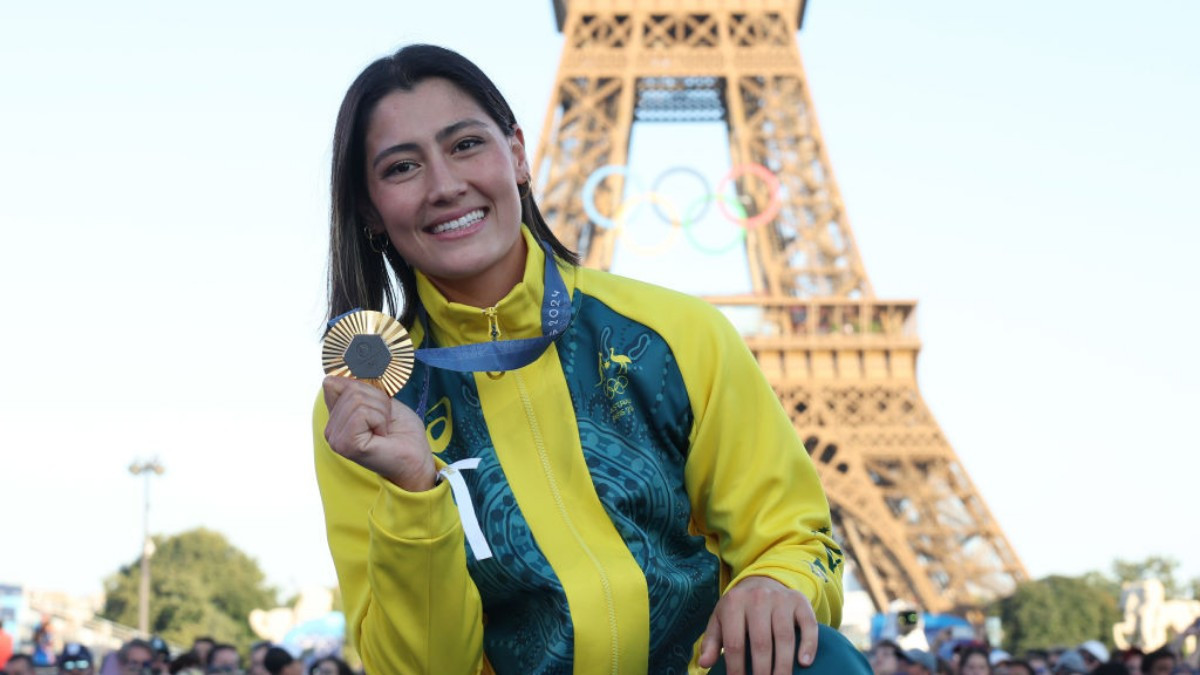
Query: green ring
686, 225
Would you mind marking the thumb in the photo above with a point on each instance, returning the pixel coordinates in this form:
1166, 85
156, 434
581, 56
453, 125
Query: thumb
710, 646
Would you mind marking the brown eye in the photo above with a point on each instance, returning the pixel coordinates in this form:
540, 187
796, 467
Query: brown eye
467, 144
399, 168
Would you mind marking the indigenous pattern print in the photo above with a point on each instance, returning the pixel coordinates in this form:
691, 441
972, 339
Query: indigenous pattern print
634, 438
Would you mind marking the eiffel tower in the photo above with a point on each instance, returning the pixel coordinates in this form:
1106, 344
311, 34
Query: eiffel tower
842, 361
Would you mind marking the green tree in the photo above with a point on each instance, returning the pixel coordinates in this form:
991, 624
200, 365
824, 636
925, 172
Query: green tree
1057, 611
1104, 583
200, 584
1154, 567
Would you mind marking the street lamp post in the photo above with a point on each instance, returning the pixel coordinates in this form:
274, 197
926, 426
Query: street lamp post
147, 469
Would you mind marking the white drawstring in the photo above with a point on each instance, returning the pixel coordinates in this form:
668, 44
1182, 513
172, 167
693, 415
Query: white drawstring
466, 509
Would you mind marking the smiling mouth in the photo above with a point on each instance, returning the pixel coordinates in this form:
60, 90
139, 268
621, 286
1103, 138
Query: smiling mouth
458, 223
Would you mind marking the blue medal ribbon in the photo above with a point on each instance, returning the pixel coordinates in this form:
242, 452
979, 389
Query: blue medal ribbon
501, 355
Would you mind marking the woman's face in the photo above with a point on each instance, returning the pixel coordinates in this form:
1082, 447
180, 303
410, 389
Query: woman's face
976, 664
443, 177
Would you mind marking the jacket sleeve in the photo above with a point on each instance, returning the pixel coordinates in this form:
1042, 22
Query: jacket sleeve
753, 488
410, 604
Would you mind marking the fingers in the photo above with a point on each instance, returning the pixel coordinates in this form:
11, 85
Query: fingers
762, 641
783, 629
335, 387
710, 647
357, 411
762, 616
733, 628
806, 619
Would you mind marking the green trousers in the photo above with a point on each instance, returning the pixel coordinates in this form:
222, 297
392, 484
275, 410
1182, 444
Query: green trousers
835, 656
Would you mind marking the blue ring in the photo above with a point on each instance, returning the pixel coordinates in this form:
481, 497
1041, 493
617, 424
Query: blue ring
703, 181
589, 192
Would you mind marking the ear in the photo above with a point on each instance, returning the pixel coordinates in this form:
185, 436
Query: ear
516, 143
371, 219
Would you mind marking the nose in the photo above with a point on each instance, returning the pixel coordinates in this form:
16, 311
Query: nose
445, 183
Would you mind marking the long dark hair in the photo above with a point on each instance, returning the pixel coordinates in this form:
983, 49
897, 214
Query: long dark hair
358, 277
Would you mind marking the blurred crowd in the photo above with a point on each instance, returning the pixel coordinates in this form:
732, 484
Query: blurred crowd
970, 657
154, 657
887, 657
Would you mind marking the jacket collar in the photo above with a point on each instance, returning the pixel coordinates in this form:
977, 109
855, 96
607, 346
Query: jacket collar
519, 312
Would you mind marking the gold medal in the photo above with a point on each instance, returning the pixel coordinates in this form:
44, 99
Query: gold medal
369, 346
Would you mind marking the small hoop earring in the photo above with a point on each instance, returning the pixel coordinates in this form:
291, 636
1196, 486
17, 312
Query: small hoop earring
528, 189
373, 243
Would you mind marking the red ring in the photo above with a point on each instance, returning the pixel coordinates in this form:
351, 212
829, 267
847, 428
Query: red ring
773, 206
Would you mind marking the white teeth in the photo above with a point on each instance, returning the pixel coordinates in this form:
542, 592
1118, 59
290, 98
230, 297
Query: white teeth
459, 223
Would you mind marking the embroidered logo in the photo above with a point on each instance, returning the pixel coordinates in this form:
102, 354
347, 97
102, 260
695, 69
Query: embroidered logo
441, 428
613, 371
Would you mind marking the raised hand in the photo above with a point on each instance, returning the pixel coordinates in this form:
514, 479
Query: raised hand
379, 433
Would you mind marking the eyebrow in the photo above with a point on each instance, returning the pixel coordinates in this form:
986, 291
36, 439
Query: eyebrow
440, 136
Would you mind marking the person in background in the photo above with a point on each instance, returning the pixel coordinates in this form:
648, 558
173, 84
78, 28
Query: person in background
75, 660
951, 650
1161, 661
202, 646
1070, 662
224, 658
1094, 653
6, 646
136, 657
278, 661
974, 661
258, 651
187, 663
1132, 660
43, 643
20, 664
1014, 667
162, 656
1037, 659
330, 665
885, 658
919, 662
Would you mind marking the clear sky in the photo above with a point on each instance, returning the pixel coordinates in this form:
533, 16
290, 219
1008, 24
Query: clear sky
1025, 170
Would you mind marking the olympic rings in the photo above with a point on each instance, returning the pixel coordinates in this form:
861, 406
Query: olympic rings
739, 234
589, 192
772, 181
731, 207
688, 217
657, 200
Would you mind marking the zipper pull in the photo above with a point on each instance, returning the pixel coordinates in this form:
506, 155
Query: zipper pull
493, 322
494, 328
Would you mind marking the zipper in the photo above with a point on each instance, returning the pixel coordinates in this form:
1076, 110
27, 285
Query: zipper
494, 330
605, 583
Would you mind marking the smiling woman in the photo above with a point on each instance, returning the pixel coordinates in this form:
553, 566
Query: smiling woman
595, 477
446, 193
376, 148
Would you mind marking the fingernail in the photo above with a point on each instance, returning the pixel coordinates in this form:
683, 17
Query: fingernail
806, 658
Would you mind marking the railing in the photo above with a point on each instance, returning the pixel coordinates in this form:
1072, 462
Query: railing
825, 318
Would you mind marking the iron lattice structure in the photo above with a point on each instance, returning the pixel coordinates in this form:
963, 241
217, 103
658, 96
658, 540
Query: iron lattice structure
842, 361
